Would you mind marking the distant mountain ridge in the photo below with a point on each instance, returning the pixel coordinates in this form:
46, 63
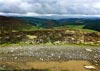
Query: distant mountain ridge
92, 23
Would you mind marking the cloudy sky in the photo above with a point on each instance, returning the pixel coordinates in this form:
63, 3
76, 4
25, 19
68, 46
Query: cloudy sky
48, 7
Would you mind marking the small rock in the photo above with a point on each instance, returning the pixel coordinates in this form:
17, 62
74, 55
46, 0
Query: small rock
97, 64
52, 54
41, 59
15, 57
30, 55
12, 51
96, 54
89, 67
20, 54
95, 57
95, 61
59, 57
4, 66
89, 50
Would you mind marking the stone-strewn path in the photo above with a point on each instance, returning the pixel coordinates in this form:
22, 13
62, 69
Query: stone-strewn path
50, 53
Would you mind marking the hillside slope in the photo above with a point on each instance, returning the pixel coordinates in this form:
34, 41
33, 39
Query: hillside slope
79, 23
10, 24
52, 37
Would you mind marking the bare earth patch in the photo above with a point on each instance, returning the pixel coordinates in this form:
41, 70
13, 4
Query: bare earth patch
50, 58
73, 65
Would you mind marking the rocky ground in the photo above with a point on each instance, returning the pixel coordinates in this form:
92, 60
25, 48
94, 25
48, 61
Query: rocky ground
56, 53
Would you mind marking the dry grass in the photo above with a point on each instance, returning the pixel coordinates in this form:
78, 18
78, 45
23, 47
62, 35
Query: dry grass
52, 66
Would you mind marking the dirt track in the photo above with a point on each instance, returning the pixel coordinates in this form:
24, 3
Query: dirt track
56, 53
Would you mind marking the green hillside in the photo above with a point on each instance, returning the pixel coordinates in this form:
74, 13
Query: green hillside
9, 24
14, 24
73, 23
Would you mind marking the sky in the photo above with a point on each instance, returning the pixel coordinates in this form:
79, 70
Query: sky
49, 7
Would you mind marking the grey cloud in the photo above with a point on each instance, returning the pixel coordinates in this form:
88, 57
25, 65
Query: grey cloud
50, 6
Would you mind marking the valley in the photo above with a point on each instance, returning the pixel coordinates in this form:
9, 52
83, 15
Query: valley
39, 44
30, 30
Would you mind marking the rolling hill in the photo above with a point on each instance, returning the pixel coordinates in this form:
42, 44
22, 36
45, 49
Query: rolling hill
28, 30
11, 24
76, 23
33, 23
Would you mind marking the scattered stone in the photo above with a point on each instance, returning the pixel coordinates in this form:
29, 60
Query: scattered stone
52, 54
70, 56
4, 66
59, 57
89, 67
89, 50
96, 64
95, 61
15, 57
95, 57
30, 55
20, 54
96, 54
41, 59
12, 51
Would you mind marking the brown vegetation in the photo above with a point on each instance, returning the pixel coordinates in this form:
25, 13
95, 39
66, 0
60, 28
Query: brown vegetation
52, 36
